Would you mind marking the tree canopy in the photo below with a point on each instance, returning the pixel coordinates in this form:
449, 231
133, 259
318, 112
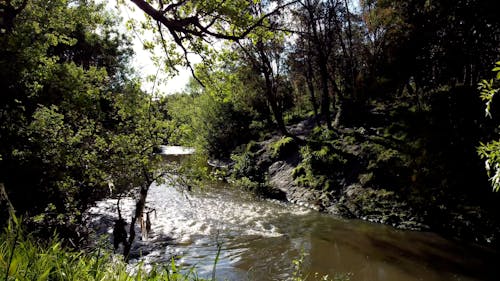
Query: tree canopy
74, 121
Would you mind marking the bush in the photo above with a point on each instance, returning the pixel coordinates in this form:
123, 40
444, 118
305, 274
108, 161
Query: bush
245, 164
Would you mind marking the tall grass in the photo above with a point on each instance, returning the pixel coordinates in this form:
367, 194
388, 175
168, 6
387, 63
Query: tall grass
23, 257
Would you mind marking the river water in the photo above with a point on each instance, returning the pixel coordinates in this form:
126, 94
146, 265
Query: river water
259, 239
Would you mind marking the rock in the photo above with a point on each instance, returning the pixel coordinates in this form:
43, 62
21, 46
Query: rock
280, 174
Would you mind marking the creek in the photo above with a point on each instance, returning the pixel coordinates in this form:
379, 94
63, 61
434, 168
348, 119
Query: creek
259, 238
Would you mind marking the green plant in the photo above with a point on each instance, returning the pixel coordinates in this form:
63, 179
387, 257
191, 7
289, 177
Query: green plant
282, 147
245, 164
23, 257
491, 151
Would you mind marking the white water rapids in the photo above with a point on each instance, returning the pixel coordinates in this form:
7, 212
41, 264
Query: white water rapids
190, 225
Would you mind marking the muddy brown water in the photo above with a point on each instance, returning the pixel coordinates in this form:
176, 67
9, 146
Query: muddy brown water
259, 239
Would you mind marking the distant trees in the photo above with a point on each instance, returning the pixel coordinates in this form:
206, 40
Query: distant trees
341, 51
430, 43
264, 53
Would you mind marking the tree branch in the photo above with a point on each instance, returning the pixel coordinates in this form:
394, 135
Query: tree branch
192, 24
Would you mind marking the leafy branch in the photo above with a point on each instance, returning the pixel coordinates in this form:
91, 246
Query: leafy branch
491, 151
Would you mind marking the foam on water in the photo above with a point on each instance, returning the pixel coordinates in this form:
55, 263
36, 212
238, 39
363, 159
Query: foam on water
196, 220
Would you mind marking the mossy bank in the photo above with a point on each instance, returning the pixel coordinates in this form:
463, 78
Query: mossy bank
393, 175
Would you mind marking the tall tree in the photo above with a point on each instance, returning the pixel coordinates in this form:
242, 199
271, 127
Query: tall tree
318, 22
73, 117
265, 53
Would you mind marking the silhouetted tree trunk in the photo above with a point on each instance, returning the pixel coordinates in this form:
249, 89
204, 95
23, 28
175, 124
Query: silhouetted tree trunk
139, 211
6, 208
271, 90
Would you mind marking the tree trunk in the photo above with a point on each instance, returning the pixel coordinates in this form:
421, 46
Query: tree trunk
277, 112
139, 211
270, 88
310, 85
325, 96
8, 14
321, 60
6, 208
336, 101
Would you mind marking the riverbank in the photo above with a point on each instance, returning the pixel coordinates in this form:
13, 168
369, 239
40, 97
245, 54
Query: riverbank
387, 175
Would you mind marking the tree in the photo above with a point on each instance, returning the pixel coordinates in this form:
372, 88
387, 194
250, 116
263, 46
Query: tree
302, 72
328, 44
264, 52
73, 117
415, 42
319, 33
8, 12
194, 26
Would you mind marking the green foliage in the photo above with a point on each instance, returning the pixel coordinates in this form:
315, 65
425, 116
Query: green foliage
282, 147
23, 257
319, 167
491, 151
187, 27
249, 171
432, 60
209, 122
245, 164
488, 90
73, 117
381, 156
249, 185
332, 160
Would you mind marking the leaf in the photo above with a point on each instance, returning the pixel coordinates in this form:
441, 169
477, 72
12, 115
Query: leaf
45, 275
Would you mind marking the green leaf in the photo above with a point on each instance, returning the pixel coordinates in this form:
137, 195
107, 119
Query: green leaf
45, 275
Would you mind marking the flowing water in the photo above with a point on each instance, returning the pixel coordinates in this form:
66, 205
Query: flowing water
260, 238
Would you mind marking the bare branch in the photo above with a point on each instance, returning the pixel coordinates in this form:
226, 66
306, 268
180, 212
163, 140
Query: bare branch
164, 45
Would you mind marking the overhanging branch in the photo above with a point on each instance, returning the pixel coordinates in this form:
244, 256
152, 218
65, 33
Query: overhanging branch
193, 24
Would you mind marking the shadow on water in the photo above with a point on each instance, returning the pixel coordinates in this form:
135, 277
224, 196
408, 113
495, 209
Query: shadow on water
441, 256
377, 252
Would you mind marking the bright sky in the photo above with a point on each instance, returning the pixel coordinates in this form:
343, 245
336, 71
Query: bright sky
142, 60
